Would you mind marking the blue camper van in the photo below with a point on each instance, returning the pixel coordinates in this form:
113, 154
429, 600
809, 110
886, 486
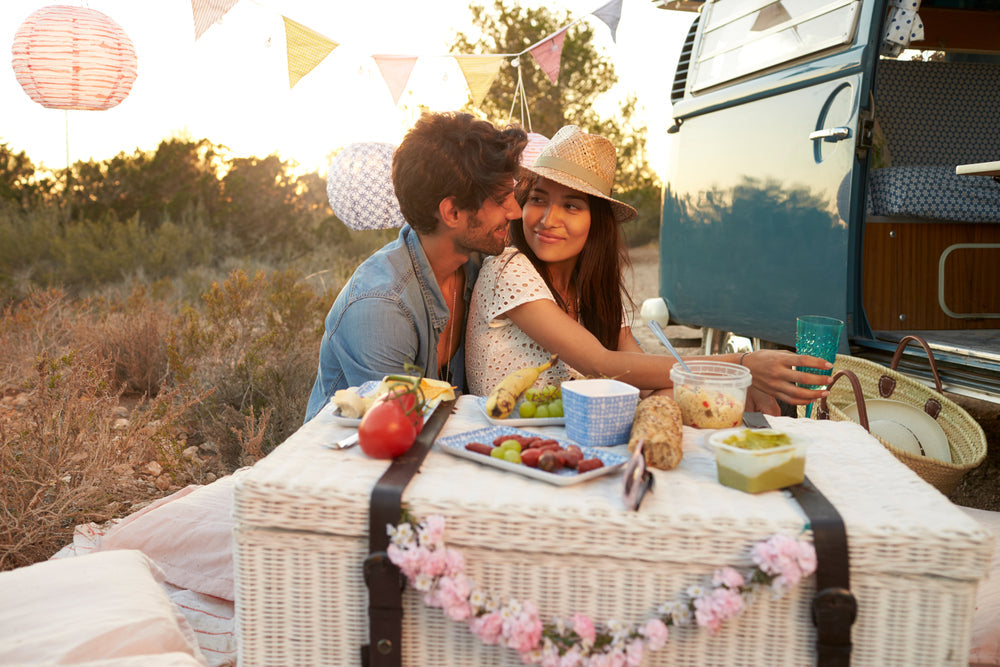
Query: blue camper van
841, 158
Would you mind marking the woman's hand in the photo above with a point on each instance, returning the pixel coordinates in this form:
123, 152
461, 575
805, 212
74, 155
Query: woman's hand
759, 401
774, 374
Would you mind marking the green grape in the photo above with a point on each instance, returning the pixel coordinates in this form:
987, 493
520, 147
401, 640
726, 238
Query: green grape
549, 392
558, 391
542, 412
556, 408
533, 395
498, 452
512, 455
527, 410
510, 445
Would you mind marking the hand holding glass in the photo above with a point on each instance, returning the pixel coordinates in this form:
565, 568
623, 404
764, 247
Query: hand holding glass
817, 336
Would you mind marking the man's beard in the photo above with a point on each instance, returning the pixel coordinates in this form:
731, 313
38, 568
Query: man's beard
479, 238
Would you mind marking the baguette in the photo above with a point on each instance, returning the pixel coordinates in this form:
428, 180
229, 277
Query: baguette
658, 423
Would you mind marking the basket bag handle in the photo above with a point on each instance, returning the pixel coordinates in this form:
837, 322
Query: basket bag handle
887, 385
823, 410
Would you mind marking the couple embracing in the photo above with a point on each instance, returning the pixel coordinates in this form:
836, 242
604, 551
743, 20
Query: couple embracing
502, 265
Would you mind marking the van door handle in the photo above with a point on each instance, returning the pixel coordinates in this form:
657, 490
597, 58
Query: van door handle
831, 134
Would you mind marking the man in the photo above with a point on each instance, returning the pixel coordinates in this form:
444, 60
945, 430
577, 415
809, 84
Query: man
406, 304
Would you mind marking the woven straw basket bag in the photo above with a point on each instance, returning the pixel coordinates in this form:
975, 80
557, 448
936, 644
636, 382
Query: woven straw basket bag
869, 380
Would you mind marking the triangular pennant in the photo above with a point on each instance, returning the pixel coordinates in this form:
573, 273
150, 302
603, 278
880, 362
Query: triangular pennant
207, 12
610, 14
548, 54
306, 49
480, 72
396, 72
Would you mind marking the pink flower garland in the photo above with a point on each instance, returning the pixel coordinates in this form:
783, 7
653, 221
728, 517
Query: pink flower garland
419, 551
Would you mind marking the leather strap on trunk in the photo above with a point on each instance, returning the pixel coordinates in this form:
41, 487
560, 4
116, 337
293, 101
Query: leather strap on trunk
384, 581
834, 607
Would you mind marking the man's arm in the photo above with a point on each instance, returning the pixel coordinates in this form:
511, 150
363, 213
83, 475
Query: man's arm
376, 337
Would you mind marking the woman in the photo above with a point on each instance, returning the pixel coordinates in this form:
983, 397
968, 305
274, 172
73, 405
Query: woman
560, 289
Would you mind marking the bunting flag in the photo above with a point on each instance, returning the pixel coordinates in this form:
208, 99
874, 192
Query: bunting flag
611, 13
306, 49
548, 53
396, 72
480, 72
207, 13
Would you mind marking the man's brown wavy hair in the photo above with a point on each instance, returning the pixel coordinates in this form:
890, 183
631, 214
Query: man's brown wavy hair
453, 155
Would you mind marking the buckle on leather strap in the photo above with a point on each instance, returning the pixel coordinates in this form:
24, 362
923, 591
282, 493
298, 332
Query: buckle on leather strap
833, 612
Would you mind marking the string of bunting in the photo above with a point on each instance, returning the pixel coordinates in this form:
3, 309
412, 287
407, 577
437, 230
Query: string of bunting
307, 48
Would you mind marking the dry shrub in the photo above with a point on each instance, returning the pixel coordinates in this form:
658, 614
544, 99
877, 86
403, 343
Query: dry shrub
43, 324
132, 334
68, 457
255, 343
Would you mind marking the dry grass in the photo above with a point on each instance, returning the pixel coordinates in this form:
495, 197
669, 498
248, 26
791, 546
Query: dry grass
110, 403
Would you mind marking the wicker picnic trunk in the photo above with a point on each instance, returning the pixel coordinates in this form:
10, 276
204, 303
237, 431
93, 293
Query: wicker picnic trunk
301, 539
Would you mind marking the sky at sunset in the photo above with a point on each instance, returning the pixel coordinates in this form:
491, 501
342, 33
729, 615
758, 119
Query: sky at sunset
231, 86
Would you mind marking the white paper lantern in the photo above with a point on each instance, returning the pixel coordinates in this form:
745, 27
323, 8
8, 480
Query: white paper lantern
73, 58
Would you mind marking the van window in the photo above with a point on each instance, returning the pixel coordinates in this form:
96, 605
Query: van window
741, 37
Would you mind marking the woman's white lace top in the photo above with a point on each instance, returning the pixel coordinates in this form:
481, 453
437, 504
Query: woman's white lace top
494, 345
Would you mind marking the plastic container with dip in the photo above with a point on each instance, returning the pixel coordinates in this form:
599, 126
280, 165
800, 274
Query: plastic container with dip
712, 395
759, 460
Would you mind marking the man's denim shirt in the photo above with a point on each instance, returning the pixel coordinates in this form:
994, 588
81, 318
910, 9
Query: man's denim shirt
391, 312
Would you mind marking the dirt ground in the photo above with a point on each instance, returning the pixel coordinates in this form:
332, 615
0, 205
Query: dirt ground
979, 488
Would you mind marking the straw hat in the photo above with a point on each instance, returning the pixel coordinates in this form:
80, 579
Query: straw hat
584, 162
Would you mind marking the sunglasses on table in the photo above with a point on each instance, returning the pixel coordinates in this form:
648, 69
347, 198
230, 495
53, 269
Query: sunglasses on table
637, 479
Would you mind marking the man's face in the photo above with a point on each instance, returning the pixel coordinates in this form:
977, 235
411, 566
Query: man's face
486, 229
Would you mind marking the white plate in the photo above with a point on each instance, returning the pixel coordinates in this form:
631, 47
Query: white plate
455, 444
904, 426
520, 421
363, 390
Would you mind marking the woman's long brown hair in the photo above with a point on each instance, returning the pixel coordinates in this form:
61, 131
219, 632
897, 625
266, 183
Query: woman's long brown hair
599, 272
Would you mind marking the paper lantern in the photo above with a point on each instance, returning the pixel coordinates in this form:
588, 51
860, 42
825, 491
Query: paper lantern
359, 186
73, 58
536, 142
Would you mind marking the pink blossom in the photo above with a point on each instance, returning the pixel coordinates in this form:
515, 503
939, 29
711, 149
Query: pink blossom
807, 558
433, 530
656, 634
432, 598
571, 658
550, 657
409, 561
488, 627
598, 660
728, 577
454, 561
616, 658
454, 594
728, 603
436, 563
634, 652
583, 626
526, 630
707, 614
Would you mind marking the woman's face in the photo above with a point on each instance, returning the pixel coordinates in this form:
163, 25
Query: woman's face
556, 221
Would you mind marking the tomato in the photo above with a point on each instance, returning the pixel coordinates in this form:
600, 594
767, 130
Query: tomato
387, 431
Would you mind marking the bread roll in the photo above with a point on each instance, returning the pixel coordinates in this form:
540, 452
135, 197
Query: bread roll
658, 422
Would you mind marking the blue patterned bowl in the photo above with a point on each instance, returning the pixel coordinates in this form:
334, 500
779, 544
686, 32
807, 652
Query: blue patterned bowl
599, 412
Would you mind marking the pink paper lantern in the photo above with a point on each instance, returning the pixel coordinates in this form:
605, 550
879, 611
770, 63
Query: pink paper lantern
73, 58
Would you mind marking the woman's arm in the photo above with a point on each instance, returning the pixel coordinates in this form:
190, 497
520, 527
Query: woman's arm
773, 370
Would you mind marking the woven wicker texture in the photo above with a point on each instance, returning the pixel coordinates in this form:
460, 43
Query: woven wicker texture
965, 437
301, 539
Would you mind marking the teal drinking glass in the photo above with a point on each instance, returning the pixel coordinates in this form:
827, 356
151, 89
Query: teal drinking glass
817, 336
